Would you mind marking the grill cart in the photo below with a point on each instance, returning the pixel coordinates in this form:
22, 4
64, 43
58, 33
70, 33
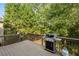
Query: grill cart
50, 42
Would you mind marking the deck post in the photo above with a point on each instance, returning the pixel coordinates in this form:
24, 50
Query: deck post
42, 42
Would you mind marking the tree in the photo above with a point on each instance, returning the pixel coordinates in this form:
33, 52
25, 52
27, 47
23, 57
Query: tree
61, 19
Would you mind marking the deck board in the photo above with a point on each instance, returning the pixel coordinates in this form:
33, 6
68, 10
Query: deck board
24, 48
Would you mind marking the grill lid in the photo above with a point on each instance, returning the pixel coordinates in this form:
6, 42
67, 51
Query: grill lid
51, 37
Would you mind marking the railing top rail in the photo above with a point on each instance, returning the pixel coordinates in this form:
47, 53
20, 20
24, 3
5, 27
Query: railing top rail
58, 36
9, 35
68, 38
35, 34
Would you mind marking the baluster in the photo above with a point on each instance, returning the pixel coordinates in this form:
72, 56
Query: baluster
73, 48
59, 46
70, 44
42, 41
56, 46
78, 48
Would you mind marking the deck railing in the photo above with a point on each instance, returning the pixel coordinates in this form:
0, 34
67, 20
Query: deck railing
9, 39
72, 44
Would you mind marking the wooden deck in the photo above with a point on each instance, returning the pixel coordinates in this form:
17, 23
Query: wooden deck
24, 48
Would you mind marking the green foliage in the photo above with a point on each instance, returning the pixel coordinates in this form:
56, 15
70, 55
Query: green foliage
61, 19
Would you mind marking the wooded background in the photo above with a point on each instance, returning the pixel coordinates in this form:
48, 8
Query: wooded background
62, 19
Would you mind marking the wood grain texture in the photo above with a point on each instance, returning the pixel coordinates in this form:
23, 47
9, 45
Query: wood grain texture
24, 48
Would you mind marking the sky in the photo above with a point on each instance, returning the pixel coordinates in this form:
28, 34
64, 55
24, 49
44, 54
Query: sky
2, 6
